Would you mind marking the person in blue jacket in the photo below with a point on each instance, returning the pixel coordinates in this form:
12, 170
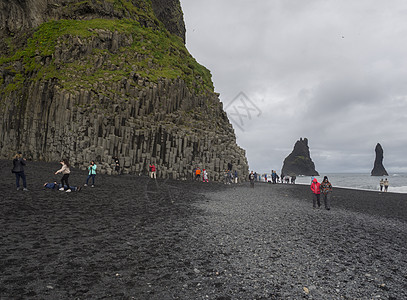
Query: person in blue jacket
92, 173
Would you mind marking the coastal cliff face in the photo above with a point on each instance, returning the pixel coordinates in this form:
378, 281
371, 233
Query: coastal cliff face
299, 161
90, 80
378, 168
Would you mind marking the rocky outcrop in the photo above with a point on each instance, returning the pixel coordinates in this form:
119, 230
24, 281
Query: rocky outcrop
378, 168
96, 88
299, 162
19, 16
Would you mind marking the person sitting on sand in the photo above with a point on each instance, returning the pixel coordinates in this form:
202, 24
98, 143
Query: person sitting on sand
326, 189
386, 184
55, 185
315, 187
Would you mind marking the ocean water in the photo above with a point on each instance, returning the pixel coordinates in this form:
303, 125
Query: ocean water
398, 182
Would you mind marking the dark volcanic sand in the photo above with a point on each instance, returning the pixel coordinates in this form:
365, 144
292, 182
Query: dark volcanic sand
135, 238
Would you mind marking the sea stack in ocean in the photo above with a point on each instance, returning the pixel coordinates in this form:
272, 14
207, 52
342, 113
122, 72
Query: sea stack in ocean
378, 168
96, 80
299, 162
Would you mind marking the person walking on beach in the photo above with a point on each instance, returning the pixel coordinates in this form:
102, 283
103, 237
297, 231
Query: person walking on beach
18, 170
117, 165
251, 179
204, 176
315, 188
153, 174
236, 176
92, 173
65, 171
386, 185
381, 184
326, 189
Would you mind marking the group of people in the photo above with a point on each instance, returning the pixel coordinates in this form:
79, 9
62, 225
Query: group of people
384, 184
18, 169
197, 175
230, 176
324, 188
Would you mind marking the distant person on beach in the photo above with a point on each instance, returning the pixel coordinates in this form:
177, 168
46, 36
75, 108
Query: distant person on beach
381, 184
153, 173
326, 189
386, 185
117, 165
54, 185
65, 171
18, 170
236, 176
255, 176
251, 179
205, 176
293, 178
198, 174
92, 173
316, 193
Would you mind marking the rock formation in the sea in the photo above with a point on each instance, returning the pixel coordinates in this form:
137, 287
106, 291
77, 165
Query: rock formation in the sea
91, 80
299, 161
378, 168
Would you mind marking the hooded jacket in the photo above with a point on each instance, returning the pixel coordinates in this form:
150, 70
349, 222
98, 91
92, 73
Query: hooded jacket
315, 186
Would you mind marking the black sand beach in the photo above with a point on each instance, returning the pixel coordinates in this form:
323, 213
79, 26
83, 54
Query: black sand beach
135, 238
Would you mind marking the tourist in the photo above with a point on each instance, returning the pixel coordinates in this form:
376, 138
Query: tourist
386, 184
65, 171
251, 179
205, 176
198, 174
153, 172
230, 177
326, 189
117, 165
381, 184
273, 176
55, 185
92, 173
315, 187
293, 178
236, 176
18, 170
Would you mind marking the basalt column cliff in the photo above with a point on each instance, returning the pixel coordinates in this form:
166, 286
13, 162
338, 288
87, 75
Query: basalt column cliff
90, 80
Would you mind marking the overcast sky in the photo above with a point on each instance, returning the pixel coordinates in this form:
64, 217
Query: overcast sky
334, 72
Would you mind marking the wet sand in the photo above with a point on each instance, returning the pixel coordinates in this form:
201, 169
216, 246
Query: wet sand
135, 238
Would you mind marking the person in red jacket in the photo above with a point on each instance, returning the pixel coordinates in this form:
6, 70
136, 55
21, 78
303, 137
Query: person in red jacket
153, 174
316, 190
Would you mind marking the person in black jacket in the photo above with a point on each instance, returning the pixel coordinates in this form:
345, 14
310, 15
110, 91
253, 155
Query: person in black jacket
18, 170
251, 179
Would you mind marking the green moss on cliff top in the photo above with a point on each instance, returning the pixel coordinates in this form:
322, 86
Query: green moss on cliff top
163, 55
